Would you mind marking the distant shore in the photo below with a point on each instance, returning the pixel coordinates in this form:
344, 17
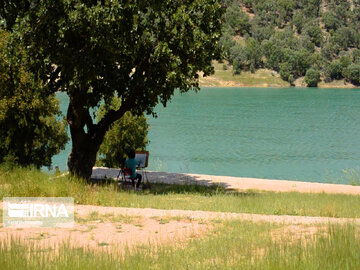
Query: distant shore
261, 78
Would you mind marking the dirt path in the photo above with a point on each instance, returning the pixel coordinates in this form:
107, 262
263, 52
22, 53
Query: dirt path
207, 215
237, 183
99, 227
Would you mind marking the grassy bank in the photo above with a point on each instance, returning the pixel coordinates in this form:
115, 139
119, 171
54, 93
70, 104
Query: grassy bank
224, 77
32, 183
231, 245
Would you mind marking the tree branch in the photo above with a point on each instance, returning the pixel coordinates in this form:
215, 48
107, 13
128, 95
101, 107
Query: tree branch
54, 81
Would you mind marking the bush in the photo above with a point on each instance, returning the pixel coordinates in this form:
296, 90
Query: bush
312, 77
352, 74
237, 20
239, 59
286, 73
129, 132
334, 71
313, 30
330, 21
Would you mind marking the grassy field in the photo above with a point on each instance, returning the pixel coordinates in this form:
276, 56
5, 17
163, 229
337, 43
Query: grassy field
33, 183
261, 78
230, 245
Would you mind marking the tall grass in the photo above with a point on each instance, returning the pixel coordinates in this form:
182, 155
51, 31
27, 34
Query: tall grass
32, 183
232, 245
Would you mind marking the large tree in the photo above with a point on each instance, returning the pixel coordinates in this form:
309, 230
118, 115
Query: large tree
139, 51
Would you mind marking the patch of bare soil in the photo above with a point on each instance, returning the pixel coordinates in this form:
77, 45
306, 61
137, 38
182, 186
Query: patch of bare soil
106, 230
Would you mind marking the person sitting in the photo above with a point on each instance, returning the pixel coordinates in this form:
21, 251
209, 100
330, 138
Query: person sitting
131, 163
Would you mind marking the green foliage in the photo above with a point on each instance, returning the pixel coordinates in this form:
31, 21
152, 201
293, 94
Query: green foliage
352, 74
30, 120
226, 43
355, 17
254, 54
20, 182
260, 32
334, 71
307, 44
330, 50
312, 77
312, 8
274, 55
341, 9
299, 21
129, 132
285, 11
286, 72
298, 61
345, 37
237, 20
322, 33
239, 59
355, 55
285, 39
331, 21
138, 51
312, 29
248, 57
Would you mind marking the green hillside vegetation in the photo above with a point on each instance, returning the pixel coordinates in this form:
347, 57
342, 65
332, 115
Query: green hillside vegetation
317, 41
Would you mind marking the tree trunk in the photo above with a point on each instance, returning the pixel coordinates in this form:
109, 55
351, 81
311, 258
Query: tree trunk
82, 158
85, 145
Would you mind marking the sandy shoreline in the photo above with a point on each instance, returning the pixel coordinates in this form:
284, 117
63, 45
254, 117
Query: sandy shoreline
236, 183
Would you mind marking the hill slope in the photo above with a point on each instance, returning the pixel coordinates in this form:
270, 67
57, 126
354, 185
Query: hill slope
315, 39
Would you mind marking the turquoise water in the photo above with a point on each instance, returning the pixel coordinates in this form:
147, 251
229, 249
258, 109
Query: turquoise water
295, 134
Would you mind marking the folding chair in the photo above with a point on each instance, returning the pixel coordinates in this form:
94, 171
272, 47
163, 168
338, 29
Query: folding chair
127, 180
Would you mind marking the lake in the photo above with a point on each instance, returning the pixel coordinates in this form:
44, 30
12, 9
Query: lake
289, 133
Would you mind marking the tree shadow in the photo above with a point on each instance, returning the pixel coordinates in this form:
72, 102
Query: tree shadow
186, 183
163, 183
211, 190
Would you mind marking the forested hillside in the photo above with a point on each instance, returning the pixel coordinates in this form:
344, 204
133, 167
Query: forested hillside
317, 39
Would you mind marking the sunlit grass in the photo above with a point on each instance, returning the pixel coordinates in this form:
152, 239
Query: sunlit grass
230, 245
261, 78
33, 183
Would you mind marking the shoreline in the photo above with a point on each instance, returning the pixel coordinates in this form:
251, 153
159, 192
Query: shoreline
260, 78
278, 86
235, 183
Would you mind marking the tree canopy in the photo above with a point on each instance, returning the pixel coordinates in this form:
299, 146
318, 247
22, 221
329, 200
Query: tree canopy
139, 51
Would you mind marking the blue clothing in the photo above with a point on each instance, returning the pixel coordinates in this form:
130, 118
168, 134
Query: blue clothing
131, 164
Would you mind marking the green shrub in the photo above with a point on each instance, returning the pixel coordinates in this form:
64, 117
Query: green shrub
312, 77
334, 71
352, 74
129, 132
